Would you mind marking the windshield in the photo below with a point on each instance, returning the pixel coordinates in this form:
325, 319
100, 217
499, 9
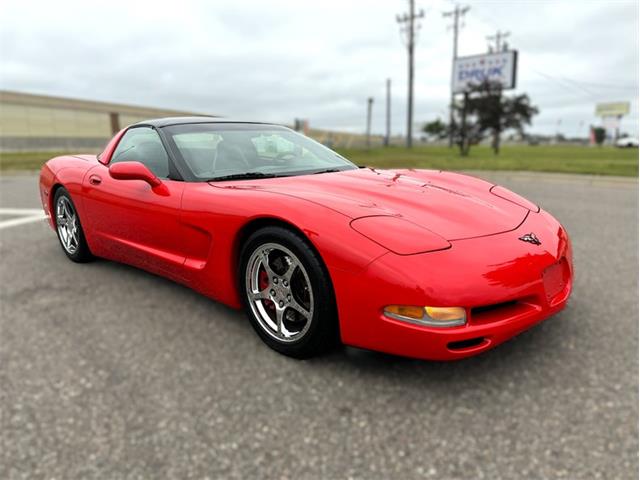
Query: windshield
222, 151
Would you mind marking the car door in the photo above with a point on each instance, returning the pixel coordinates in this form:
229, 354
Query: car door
130, 221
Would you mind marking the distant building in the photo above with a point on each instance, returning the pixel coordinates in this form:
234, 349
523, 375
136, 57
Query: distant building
57, 124
37, 122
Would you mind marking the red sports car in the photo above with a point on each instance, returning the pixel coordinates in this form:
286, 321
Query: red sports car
421, 263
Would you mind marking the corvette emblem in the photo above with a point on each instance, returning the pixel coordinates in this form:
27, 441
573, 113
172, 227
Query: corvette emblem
530, 238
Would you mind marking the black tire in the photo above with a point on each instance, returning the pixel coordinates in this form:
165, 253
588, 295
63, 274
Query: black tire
323, 332
80, 252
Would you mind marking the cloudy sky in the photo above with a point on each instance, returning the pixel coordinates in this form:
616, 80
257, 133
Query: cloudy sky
280, 59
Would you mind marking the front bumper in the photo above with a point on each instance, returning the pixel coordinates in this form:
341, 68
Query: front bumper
506, 285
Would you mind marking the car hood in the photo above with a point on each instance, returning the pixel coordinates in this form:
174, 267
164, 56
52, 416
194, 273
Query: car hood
454, 206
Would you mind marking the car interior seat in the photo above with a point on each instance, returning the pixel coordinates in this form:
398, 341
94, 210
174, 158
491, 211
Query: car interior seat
230, 157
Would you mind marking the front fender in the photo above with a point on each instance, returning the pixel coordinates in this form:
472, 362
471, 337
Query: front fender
67, 171
217, 216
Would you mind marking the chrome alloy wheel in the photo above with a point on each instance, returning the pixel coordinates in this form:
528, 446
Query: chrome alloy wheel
279, 292
67, 224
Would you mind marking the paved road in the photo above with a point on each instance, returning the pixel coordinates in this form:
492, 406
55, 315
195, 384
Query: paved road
109, 372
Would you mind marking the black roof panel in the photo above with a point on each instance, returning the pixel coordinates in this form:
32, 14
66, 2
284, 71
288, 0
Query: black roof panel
167, 121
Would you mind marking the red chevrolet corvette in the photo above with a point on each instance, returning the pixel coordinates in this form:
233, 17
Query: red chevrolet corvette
421, 263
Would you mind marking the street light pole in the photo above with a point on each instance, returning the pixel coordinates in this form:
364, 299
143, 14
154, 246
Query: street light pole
369, 107
387, 135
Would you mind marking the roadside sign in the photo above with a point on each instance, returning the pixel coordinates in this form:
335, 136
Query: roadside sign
612, 109
495, 67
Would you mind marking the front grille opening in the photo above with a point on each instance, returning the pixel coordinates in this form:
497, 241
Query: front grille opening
556, 279
495, 306
464, 344
503, 311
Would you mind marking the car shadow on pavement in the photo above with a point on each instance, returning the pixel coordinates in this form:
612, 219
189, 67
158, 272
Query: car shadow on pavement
540, 344
538, 347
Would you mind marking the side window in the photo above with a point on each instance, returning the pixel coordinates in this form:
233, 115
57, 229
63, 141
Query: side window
142, 144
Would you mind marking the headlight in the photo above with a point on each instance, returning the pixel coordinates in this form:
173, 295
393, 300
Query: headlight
399, 235
429, 316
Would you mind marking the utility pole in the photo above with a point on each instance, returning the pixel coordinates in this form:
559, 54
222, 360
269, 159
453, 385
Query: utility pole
500, 43
457, 14
500, 46
410, 30
464, 144
369, 106
387, 135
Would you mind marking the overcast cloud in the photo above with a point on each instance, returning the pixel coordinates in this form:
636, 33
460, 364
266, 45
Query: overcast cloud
280, 59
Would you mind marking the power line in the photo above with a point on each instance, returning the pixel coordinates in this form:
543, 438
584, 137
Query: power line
410, 29
562, 83
477, 13
566, 86
490, 22
575, 85
457, 13
601, 85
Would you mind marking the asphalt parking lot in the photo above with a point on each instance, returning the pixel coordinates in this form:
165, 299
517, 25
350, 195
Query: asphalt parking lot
110, 372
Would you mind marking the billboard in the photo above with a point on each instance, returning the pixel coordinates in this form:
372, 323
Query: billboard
614, 109
494, 67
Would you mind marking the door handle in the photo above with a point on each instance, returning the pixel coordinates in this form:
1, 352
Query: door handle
95, 180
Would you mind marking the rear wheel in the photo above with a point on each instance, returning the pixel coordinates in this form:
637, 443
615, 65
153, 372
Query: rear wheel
287, 293
69, 229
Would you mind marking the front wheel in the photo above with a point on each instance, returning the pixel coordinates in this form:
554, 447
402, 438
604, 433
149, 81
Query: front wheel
287, 293
69, 229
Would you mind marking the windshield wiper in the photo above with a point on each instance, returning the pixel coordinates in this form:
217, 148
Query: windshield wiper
242, 176
328, 170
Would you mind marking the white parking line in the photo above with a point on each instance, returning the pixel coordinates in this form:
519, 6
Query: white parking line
14, 222
26, 215
20, 211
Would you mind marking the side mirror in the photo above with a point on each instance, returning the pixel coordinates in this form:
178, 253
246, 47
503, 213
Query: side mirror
133, 171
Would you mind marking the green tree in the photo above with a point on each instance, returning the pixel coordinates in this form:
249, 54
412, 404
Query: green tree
495, 112
436, 129
485, 112
599, 135
466, 129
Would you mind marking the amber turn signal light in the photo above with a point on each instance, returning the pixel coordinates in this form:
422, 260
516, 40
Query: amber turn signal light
430, 316
405, 311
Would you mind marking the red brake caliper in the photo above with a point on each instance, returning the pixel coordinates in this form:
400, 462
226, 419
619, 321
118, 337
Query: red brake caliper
263, 282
